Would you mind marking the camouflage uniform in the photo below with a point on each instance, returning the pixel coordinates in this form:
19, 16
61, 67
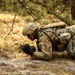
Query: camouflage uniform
71, 44
67, 39
44, 45
51, 39
54, 39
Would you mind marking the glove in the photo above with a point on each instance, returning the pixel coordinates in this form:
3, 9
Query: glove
28, 49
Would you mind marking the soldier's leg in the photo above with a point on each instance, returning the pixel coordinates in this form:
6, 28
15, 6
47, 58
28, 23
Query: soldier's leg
41, 56
71, 49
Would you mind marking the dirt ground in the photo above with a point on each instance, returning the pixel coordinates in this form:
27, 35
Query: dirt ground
37, 67
14, 62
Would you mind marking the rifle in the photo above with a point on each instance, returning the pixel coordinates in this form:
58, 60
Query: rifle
28, 49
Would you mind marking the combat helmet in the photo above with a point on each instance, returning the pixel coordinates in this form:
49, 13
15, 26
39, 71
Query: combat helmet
29, 28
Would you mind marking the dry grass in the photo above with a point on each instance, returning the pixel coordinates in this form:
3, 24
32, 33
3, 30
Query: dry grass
9, 46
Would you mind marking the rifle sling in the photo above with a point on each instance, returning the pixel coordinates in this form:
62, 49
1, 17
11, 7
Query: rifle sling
48, 36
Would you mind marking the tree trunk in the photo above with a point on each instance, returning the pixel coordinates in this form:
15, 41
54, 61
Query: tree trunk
73, 9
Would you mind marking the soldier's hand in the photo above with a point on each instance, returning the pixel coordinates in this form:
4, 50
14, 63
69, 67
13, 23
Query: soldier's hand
28, 49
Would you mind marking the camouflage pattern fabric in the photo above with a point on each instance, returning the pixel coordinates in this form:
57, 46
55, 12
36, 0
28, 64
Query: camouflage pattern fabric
71, 44
63, 39
44, 46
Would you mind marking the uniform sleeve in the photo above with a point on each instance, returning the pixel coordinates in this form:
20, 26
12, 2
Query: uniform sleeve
46, 50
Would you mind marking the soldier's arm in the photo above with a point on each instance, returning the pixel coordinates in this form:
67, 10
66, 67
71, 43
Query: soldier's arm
46, 51
28, 49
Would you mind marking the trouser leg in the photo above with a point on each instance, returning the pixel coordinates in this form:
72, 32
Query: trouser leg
71, 49
41, 56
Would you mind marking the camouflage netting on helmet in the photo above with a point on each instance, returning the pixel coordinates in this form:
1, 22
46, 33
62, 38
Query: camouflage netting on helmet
29, 28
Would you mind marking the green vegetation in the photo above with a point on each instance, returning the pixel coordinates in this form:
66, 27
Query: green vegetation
39, 9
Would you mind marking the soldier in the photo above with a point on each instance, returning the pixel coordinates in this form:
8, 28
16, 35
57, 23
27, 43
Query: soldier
49, 40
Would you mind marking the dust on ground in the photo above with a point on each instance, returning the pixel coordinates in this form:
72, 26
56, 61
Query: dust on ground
14, 62
36, 67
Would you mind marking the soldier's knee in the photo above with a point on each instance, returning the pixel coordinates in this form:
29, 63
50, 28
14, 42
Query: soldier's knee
41, 56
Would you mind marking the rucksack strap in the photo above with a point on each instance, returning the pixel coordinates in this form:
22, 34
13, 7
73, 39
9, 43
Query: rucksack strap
47, 35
